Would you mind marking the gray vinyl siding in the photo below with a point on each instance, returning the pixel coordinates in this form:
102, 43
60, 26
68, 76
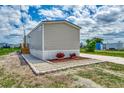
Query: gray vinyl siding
61, 36
35, 39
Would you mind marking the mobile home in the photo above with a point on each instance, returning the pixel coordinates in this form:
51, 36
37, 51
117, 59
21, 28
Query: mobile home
51, 37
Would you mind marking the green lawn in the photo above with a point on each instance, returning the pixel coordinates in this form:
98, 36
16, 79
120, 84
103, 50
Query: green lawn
105, 52
4, 51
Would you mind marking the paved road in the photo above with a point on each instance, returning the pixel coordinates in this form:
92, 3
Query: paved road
118, 60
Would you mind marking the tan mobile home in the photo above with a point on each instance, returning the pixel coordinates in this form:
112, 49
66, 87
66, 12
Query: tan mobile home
51, 37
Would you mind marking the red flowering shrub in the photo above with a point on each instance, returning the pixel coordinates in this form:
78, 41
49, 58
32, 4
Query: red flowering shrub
72, 55
60, 55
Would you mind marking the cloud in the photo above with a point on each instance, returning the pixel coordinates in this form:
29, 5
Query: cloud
14, 35
53, 13
108, 16
11, 24
95, 21
104, 21
115, 34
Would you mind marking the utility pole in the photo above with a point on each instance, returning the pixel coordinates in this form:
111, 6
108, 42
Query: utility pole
24, 49
25, 43
23, 29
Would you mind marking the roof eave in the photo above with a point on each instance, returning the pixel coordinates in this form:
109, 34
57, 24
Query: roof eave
76, 26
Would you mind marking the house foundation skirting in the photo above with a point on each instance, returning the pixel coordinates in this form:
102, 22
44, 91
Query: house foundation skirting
51, 54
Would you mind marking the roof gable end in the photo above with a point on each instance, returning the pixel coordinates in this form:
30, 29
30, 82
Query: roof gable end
55, 21
63, 21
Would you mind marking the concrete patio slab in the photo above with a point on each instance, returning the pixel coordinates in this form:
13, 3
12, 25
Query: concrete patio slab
41, 67
117, 60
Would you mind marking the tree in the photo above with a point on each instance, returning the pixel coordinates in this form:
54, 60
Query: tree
91, 44
98, 40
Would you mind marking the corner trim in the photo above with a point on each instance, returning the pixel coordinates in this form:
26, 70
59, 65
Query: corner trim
42, 39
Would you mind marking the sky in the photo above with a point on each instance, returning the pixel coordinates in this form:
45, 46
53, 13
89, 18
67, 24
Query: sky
105, 22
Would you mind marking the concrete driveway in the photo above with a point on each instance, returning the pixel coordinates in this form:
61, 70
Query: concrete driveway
118, 60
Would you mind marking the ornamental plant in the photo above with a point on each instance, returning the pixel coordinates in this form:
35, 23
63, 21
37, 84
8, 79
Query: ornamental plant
60, 55
72, 55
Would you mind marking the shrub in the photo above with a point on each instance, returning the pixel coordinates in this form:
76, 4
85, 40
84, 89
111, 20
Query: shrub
90, 47
72, 55
60, 55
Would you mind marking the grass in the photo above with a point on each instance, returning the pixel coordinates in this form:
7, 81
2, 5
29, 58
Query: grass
60, 81
105, 52
13, 74
10, 80
22, 77
58, 84
111, 66
6, 79
5, 51
63, 81
101, 77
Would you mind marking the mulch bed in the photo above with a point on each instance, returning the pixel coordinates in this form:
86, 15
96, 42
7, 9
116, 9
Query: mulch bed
67, 59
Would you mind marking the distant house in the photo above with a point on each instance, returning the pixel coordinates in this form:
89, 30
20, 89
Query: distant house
51, 37
2, 45
117, 46
14, 45
99, 46
6, 45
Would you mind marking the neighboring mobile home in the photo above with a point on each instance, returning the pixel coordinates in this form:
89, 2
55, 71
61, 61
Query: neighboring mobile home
117, 46
51, 37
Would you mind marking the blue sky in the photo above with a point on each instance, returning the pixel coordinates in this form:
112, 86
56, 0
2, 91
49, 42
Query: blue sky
106, 22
